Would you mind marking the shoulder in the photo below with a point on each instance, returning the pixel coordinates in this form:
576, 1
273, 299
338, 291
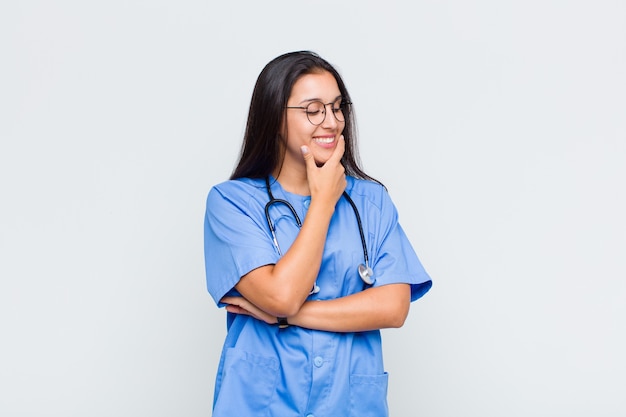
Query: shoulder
242, 189
240, 185
373, 192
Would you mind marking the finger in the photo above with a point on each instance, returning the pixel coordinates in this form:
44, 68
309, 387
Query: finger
309, 160
231, 308
227, 300
339, 150
234, 301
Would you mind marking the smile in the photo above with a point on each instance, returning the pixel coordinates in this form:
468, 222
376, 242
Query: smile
324, 140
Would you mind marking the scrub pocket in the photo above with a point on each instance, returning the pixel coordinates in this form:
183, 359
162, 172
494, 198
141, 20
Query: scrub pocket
368, 395
247, 385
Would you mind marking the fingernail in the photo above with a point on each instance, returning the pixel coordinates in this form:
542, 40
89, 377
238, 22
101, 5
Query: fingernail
304, 149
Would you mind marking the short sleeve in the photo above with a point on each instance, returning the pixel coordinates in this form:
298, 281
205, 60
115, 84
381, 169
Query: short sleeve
236, 240
395, 259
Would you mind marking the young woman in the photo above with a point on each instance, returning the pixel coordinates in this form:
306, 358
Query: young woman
305, 252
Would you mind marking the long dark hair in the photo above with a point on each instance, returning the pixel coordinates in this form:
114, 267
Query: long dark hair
262, 151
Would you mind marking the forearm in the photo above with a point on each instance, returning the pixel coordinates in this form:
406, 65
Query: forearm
374, 308
304, 257
281, 289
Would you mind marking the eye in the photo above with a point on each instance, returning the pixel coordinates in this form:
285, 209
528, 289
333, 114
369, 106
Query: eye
314, 108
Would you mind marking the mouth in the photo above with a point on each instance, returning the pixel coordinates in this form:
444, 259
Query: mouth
325, 141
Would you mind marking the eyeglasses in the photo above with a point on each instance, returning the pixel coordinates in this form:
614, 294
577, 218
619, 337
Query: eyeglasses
316, 111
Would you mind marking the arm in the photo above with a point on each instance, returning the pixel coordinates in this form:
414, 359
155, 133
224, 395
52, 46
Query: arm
281, 289
374, 308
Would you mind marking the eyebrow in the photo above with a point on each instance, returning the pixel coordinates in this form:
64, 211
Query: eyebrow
308, 100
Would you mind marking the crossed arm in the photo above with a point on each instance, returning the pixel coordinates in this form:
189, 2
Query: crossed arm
271, 291
372, 308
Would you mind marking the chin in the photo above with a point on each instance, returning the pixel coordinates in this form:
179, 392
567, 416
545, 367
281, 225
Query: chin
320, 160
320, 163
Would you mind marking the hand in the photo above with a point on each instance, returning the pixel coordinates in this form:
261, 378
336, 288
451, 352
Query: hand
240, 305
326, 183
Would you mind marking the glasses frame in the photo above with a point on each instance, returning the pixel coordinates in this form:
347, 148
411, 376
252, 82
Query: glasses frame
344, 107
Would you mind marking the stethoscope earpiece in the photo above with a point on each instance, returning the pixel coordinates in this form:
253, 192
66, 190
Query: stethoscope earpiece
367, 275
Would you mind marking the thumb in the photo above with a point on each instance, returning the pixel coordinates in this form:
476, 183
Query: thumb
308, 157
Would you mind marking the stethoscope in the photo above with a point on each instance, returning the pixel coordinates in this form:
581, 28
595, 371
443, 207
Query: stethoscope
365, 272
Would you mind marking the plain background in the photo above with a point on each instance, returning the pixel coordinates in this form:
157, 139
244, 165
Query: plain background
498, 127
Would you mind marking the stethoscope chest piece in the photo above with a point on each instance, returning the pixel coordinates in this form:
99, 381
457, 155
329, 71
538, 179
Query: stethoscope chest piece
367, 275
315, 289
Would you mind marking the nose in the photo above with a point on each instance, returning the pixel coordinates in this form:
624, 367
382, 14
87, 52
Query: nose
330, 121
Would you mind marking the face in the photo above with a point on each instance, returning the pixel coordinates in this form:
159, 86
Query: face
321, 139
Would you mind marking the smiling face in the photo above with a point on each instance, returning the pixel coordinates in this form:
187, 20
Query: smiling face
321, 139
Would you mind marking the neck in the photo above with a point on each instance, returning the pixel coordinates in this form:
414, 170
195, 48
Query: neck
293, 181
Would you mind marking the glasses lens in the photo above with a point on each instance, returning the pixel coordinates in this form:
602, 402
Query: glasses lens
316, 111
340, 109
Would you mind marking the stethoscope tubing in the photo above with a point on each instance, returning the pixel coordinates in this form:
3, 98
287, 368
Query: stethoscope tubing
368, 275
358, 220
271, 224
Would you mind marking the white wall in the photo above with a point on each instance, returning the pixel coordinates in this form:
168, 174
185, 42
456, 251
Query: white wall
498, 127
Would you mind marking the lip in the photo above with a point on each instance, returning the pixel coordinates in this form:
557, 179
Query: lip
325, 141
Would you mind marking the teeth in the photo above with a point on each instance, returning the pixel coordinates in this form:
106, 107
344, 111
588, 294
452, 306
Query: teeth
324, 140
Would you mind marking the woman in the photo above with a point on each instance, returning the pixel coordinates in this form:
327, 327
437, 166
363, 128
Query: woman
305, 302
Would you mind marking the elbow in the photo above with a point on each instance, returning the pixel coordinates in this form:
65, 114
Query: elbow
398, 314
274, 295
287, 310
394, 302
397, 319
286, 305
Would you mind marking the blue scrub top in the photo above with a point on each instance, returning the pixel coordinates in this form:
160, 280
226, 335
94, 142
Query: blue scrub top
267, 371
